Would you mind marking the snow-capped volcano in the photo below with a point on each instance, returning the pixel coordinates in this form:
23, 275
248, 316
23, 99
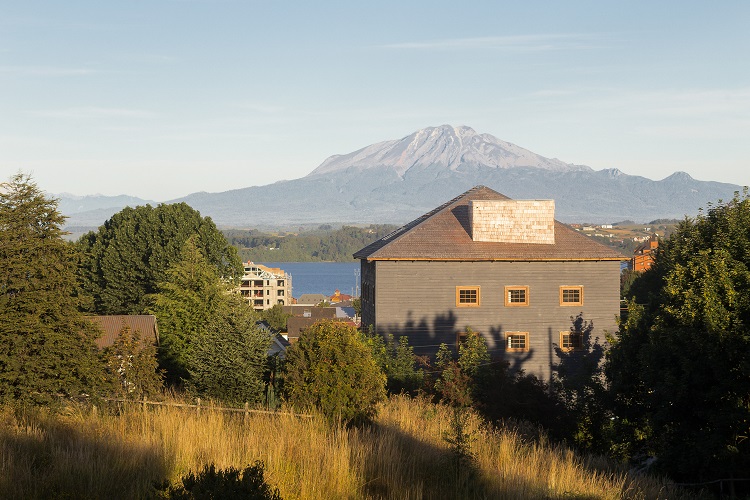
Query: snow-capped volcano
444, 146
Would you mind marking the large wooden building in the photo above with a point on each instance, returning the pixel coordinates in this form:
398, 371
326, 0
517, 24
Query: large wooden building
505, 268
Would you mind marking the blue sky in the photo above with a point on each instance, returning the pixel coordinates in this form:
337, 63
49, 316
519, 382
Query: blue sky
162, 98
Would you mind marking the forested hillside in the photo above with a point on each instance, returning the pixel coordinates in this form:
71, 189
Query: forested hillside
324, 244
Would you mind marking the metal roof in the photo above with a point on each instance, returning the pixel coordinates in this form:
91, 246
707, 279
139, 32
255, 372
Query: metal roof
112, 325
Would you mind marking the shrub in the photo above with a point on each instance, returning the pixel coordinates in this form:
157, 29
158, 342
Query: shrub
331, 367
398, 362
132, 367
228, 484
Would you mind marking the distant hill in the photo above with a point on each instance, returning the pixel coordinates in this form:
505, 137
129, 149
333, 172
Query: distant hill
395, 181
89, 212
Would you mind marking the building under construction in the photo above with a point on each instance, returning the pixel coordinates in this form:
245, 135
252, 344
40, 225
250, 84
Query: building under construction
264, 287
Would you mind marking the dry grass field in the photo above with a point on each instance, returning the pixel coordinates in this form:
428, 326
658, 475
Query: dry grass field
121, 452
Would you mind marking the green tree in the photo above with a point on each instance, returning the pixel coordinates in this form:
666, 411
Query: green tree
453, 384
461, 379
209, 337
227, 359
46, 347
332, 368
132, 366
191, 295
473, 356
276, 317
578, 381
683, 357
125, 260
398, 362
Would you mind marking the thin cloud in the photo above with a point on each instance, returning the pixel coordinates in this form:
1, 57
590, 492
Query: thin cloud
553, 93
93, 112
45, 71
261, 108
514, 43
151, 58
676, 102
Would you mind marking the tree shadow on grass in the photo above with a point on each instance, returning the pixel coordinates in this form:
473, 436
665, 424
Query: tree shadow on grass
402, 466
44, 456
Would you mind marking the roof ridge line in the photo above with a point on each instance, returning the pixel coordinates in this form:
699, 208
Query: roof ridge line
397, 233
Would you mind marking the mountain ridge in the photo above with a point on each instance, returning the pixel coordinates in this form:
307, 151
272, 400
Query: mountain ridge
396, 181
445, 145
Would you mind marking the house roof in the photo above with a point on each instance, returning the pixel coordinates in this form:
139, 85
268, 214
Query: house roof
311, 298
310, 311
112, 325
445, 234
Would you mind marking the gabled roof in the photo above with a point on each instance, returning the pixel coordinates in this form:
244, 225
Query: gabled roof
311, 299
112, 325
445, 234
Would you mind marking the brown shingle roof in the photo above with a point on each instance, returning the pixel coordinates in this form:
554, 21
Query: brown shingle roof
111, 326
445, 234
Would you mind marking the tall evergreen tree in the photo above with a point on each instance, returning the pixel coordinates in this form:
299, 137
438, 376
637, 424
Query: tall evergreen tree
46, 347
125, 260
187, 300
228, 359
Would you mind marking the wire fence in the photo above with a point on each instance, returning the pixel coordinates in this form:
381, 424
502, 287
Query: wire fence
729, 490
198, 407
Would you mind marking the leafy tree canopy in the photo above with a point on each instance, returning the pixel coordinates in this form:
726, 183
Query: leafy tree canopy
46, 347
682, 361
276, 317
125, 260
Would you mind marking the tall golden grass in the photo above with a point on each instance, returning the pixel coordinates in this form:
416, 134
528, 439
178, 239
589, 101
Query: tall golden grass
121, 454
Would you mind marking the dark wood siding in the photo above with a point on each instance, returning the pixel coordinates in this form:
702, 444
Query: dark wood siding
368, 293
418, 299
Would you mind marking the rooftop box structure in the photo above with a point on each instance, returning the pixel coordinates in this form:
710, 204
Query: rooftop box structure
513, 221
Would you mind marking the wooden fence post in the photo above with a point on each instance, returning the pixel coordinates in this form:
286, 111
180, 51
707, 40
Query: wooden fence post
199, 407
247, 407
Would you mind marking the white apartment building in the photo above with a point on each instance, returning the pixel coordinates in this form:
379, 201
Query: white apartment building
264, 287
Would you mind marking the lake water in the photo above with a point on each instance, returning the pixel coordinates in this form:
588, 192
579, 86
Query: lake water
321, 277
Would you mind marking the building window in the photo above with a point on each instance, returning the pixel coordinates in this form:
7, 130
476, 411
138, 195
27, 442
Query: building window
516, 296
280, 293
467, 296
570, 341
280, 283
517, 341
280, 301
571, 295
